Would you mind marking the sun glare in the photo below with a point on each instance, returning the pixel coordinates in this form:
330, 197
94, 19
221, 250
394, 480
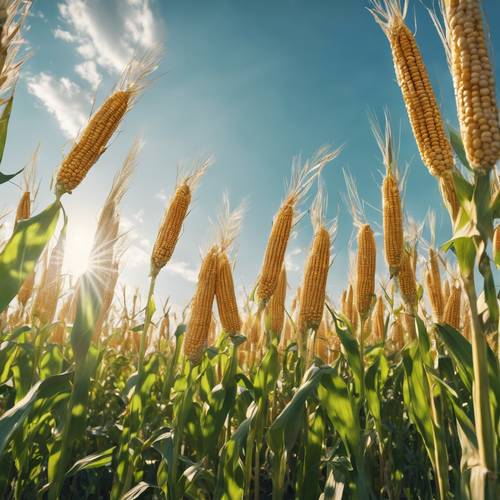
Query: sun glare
78, 247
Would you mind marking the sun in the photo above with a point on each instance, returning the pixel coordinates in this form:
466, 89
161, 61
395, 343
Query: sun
79, 240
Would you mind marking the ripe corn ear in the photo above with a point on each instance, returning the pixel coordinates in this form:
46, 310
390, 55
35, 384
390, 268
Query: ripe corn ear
275, 252
226, 298
418, 95
365, 270
201, 309
276, 306
313, 294
93, 142
393, 223
170, 228
474, 82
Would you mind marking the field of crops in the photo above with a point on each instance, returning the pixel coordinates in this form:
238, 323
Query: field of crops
393, 392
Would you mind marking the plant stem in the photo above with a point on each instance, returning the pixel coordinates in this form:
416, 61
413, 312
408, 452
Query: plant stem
480, 389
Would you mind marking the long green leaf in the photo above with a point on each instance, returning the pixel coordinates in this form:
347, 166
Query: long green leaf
13, 418
20, 254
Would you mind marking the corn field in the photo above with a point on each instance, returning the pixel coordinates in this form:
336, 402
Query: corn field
391, 392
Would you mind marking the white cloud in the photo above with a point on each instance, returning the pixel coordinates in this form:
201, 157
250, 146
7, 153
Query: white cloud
88, 71
64, 35
135, 256
290, 264
109, 32
183, 269
161, 195
66, 100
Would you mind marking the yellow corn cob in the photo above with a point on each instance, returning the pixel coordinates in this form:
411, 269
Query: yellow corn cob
418, 95
226, 298
275, 251
201, 310
446, 291
435, 297
452, 309
93, 141
474, 82
365, 270
321, 342
409, 321
170, 228
26, 289
312, 301
164, 331
23, 210
406, 278
393, 223
276, 306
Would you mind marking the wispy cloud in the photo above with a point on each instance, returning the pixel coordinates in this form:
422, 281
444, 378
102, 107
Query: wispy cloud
88, 71
182, 269
105, 36
63, 98
161, 195
290, 260
109, 32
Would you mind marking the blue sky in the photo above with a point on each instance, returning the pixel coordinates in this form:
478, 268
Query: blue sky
254, 83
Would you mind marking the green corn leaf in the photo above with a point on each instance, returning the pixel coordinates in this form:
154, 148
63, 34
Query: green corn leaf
308, 487
284, 430
4, 125
93, 461
334, 396
22, 251
13, 418
7, 177
230, 475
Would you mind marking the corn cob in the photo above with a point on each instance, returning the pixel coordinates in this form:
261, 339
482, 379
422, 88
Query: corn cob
446, 291
312, 299
275, 251
452, 309
103, 124
93, 142
302, 179
321, 342
474, 82
365, 270
226, 298
26, 289
276, 306
393, 223
201, 310
170, 228
23, 210
435, 297
418, 95
406, 279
